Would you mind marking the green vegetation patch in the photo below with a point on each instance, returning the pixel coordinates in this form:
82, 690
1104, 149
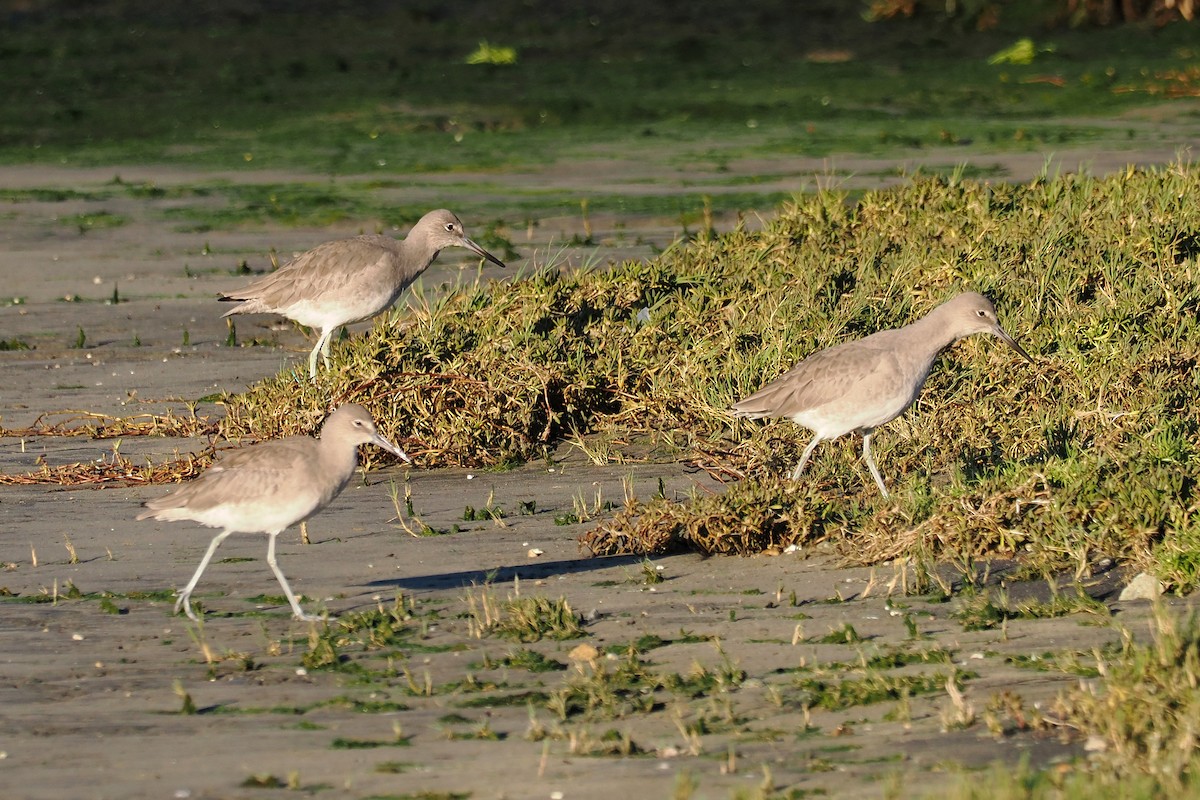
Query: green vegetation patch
531, 660
1088, 453
526, 619
385, 626
1143, 714
982, 611
342, 743
872, 687
1055, 783
96, 220
366, 91
604, 689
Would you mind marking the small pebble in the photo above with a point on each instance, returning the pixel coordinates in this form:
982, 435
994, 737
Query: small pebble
1144, 586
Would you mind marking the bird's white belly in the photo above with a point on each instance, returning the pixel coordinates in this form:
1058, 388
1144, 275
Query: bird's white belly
270, 515
856, 411
323, 313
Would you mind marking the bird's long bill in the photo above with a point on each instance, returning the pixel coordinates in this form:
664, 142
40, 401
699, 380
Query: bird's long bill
1011, 342
391, 448
479, 251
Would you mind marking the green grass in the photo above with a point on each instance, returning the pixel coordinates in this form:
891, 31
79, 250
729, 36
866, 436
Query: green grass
982, 611
342, 743
394, 767
1087, 454
526, 659
1144, 712
97, 220
525, 619
1004, 782
1138, 717
373, 629
388, 91
220, 205
872, 687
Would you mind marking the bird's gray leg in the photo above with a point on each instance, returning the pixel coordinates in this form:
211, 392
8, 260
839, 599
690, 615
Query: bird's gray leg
287, 590
871, 464
804, 458
182, 598
328, 343
322, 346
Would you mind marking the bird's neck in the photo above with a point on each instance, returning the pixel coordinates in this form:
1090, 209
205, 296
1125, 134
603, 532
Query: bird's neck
930, 335
418, 257
935, 330
337, 460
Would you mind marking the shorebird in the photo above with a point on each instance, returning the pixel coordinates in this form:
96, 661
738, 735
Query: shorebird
351, 280
266, 487
858, 386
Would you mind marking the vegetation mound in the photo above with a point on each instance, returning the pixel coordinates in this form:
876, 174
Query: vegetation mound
1089, 455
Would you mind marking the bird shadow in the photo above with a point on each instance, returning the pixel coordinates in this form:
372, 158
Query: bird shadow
533, 570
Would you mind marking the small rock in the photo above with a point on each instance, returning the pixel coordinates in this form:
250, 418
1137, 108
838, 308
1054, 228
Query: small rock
1143, 587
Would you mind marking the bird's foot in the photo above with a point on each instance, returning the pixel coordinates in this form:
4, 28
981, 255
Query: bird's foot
182, 602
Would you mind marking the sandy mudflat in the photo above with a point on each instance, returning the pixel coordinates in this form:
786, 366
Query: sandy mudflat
90, 698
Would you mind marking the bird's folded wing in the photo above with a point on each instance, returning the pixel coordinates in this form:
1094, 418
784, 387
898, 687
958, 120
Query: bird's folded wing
316, 273
824, 377
244, 475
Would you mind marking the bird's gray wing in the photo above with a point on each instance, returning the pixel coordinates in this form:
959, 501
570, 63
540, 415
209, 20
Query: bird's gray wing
824, 377
321, 272
244, 475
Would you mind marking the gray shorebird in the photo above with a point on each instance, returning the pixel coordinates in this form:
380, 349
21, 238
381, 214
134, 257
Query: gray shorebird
350, 280
266, 487
858, 386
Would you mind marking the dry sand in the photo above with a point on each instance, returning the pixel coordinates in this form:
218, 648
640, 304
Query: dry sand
90, 699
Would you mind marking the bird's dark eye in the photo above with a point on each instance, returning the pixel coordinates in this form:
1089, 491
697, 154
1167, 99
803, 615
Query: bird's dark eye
450, 227
981, 313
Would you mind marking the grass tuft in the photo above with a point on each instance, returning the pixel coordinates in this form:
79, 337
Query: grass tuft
525, 619
1141, 719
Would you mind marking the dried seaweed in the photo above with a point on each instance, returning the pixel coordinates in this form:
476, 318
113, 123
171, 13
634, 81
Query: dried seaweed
114, 468
106, 426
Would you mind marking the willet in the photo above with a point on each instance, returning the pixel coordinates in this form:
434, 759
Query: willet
266, 487
351, 280
860, 385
